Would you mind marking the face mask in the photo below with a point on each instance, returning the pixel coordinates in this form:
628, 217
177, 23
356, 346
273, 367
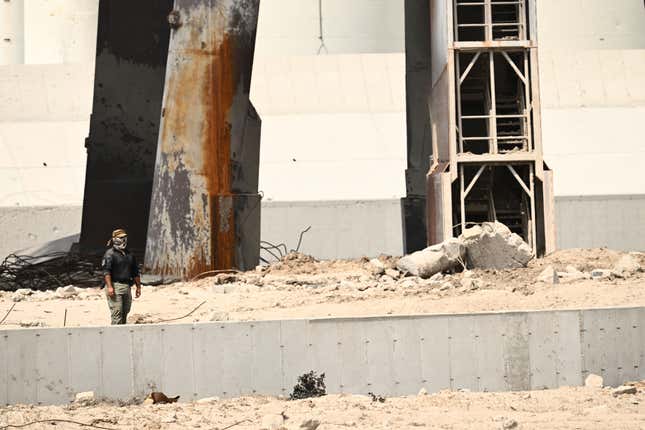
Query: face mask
120, 243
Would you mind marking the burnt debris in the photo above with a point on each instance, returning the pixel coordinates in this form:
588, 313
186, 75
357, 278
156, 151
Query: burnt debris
309, 385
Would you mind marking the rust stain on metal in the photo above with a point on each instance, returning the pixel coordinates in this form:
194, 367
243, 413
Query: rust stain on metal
193, 225
218, 98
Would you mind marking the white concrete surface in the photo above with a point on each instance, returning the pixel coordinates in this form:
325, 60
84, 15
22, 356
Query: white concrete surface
44, 114
339, 229
593, 104
392, 356
292, 27
60, 31
334, 123
591, 24
615, 222
12, 32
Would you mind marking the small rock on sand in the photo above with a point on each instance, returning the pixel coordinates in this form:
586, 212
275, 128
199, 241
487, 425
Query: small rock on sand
623, 389
627, 266
169, 419
548, 276
85, 398
272, 422
310, 424
66, 292
593, 381
377, 266
509, 424
392, 273
218, 316
208, 400
600, 274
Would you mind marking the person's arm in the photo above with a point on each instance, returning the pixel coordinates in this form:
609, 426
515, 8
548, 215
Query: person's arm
108, 285
137, 282
137, 277
107, 273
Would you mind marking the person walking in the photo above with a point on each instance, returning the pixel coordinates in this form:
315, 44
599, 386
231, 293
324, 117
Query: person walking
121, 272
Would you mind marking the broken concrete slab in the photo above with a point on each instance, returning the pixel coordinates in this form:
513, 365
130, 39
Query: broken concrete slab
627, 265
548, 276
434, 259
492, 245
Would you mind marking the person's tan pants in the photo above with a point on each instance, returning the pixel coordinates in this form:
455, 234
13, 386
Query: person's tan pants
120, 304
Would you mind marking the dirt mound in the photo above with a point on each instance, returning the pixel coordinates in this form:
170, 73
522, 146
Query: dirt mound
582, 259
296, 263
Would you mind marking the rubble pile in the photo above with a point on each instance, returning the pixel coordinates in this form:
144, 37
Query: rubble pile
490, 245
627, 266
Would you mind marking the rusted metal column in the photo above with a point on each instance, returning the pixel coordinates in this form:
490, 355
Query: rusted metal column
205, 207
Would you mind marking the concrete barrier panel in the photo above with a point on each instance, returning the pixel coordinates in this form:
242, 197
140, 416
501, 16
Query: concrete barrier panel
384, 355
323, 355
435, 353
22, 374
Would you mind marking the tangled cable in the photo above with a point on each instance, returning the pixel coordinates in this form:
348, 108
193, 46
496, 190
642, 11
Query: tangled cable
50, 271
280, 250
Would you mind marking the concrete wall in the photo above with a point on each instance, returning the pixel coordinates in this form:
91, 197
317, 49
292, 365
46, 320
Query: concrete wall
592, 87
392, 356
44, 113
339, 229
292, 27
615, 222
12, 34
333, 126
357, 228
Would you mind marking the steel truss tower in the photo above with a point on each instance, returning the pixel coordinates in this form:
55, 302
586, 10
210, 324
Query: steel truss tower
485, 113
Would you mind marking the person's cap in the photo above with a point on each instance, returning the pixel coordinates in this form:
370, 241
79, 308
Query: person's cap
119, 233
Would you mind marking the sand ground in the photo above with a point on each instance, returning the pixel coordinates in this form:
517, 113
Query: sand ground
564, 408
303, 288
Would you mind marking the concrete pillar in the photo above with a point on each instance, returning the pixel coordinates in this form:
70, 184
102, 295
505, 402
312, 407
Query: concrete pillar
12, 32
419, 136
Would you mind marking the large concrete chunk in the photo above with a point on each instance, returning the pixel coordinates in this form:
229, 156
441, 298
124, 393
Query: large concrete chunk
493, 246
433, 259
627, 266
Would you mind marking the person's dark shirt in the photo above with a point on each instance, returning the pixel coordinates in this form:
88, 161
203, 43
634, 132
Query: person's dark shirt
122, 267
